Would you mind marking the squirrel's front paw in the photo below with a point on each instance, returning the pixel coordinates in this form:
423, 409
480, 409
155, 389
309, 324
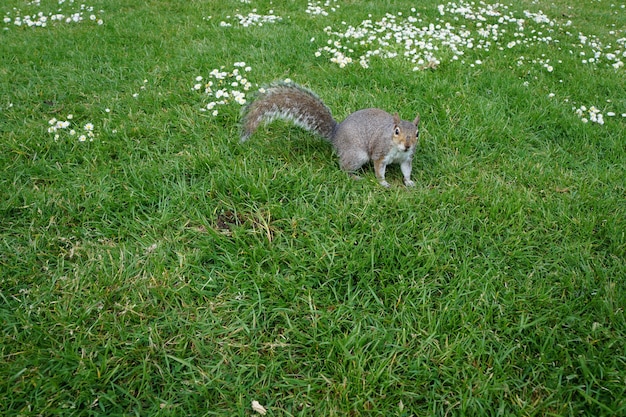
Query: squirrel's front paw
384, 184
409, 183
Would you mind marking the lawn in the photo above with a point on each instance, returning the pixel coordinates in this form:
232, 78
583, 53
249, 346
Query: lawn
150, 264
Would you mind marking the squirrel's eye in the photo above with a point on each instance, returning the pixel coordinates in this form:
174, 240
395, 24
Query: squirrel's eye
417, 134
397, 131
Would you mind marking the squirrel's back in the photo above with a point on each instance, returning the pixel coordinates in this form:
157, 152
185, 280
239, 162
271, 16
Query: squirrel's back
288, 102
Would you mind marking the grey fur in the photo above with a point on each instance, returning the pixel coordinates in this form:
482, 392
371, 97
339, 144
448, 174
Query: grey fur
365, 135
288, 102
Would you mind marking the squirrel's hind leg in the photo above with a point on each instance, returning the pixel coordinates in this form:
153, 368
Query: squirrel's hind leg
353, 161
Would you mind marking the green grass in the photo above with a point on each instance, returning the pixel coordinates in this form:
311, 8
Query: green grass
165, 269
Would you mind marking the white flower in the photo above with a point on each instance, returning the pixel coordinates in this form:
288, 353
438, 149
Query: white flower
239, 97
89, 127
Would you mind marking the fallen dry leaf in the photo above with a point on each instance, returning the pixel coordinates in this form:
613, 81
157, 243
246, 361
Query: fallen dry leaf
258, 408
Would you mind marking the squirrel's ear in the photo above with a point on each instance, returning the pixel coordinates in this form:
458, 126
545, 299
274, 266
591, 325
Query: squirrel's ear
396, 119
416, 122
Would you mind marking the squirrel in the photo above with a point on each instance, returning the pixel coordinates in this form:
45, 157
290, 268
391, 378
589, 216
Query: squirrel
365, 135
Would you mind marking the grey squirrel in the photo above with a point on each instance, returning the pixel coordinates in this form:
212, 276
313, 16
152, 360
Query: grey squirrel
365, 135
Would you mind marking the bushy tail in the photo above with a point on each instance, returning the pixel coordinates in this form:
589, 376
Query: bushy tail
288, 102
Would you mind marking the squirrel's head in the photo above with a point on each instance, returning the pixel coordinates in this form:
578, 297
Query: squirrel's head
405, 133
